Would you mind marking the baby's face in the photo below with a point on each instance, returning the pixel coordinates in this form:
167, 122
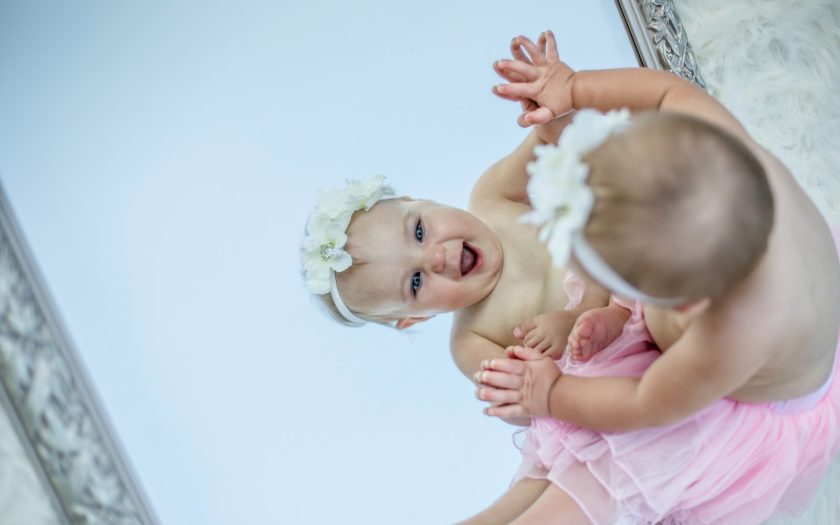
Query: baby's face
418, 258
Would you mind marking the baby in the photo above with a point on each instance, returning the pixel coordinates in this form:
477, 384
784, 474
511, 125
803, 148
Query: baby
413, 259
369, 256
685, 215
738, 280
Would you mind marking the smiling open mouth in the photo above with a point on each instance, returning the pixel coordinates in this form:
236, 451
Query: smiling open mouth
469, 257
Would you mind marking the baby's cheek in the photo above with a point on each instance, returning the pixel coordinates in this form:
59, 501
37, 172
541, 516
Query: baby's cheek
452, 297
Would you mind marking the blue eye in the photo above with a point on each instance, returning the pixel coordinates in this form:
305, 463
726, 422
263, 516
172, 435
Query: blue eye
416, 283
418, 231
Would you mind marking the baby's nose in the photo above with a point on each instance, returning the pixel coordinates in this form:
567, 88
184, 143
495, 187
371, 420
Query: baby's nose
435, 258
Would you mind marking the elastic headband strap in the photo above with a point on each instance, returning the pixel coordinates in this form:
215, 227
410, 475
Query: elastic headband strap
599, 270
339, 304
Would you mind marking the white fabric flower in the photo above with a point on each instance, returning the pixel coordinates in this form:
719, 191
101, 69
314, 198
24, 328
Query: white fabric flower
363, 194
331, 203
591, 128
560, 198
322, 250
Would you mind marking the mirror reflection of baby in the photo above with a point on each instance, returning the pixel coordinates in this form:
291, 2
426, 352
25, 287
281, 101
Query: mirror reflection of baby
756, 320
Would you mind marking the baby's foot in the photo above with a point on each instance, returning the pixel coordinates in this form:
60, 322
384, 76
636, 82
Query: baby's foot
595, 329
547, 333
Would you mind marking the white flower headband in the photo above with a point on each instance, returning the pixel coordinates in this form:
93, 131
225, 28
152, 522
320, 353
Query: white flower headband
322, 250
562, 201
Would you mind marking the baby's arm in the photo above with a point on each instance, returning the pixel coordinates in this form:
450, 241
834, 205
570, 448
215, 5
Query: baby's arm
507, 178
557, 89
692, 374
695, 372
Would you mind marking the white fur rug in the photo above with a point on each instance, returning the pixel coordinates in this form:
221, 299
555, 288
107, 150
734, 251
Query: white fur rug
776, 65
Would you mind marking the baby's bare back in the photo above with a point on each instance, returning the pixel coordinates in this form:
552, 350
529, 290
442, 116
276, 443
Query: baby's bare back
786, 315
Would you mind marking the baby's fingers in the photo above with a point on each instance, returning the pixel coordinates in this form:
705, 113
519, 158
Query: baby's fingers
516, 51
510, 366
537, 56
551, 47
498, 379
514, 69
525, 354
510, 76
536, 117
516, 90
498, 396
507, 73
541, 42
501, 93
506, 411
528, 105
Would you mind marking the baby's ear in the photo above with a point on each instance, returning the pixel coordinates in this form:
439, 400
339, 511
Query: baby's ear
693, 308
406, 322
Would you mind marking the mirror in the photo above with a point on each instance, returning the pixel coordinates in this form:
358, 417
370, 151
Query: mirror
161, 161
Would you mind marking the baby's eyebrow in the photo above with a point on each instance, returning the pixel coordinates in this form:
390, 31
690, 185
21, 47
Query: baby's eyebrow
406, 222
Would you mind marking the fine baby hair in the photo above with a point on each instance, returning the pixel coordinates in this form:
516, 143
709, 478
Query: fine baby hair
664, 208
322, 249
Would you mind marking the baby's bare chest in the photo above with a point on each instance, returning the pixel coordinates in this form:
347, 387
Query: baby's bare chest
528, 286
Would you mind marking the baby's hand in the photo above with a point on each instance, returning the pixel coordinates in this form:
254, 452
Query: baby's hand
517, 387
543, 80
547, 333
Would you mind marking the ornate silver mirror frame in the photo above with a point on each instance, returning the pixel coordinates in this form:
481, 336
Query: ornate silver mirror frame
45, 390
51, 403
659, 38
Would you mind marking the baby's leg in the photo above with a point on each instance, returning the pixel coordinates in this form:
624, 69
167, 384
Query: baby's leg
520, 496
595, 329
553, 507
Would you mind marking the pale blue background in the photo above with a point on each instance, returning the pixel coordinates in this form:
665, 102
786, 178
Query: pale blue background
162, 158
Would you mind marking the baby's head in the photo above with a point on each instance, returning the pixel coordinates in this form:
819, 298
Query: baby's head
682, 209
394, 260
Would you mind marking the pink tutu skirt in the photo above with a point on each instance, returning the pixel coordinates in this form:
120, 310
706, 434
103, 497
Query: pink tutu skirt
733, 463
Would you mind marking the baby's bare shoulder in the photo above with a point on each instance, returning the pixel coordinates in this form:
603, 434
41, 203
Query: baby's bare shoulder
495, 210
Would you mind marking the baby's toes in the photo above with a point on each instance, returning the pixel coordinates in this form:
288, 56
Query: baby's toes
587, 348
573, 344
581, 352
583, 328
